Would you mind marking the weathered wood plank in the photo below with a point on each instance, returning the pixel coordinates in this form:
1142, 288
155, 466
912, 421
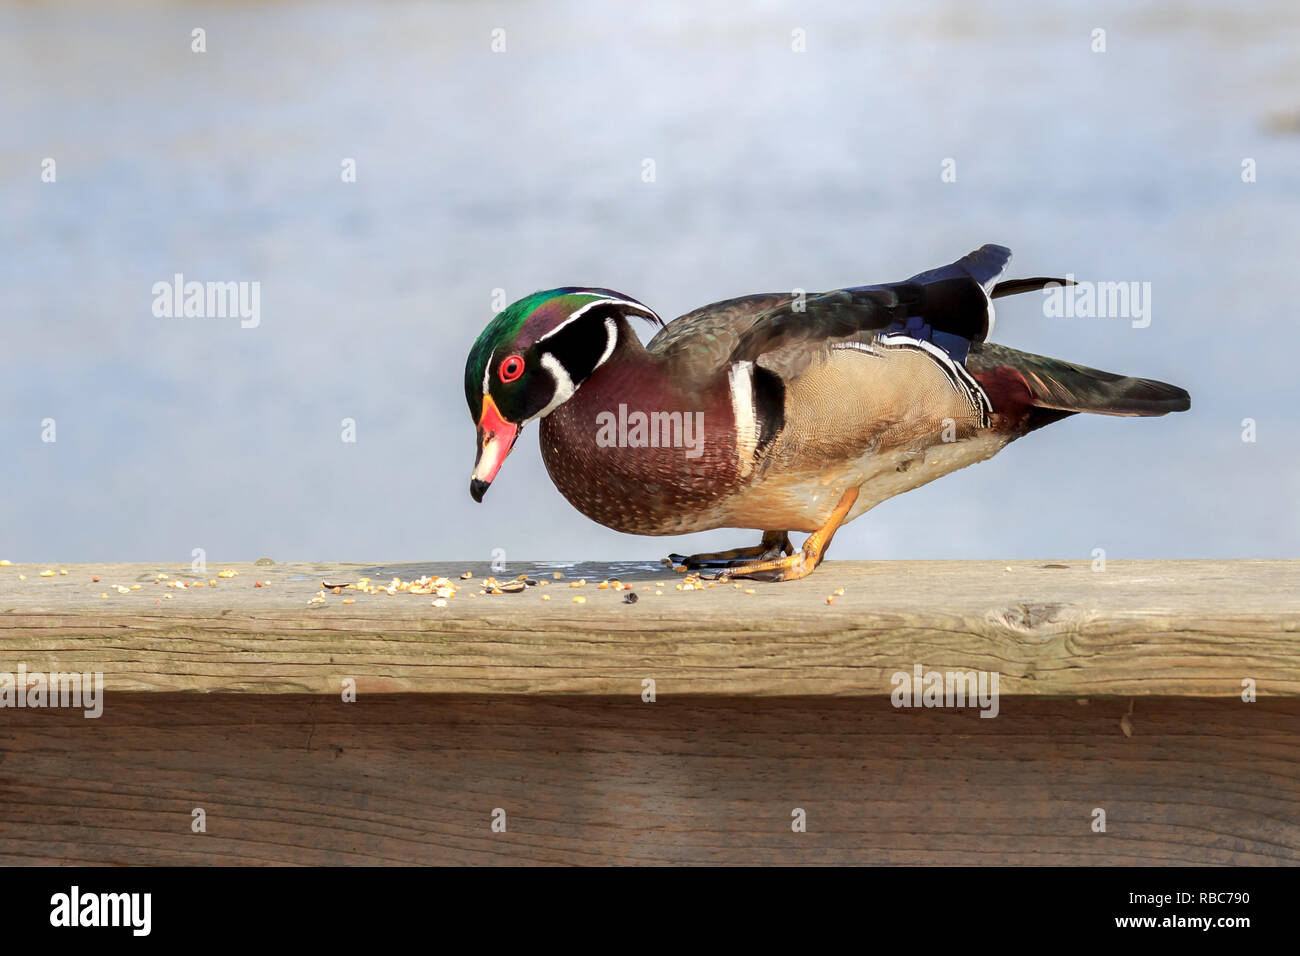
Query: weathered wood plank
1170, 628
415, 779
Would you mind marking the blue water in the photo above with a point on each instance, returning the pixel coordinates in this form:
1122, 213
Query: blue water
523, 170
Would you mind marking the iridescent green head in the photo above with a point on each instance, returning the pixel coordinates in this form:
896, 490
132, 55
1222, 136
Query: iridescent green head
531, 358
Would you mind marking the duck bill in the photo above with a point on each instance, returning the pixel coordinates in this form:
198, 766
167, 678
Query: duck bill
496, 437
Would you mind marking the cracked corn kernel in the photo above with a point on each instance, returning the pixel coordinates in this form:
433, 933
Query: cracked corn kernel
349, 600
62, 571
579, 599
749, 591
47, 574
545, 597
439, 602
227, 573
104, 595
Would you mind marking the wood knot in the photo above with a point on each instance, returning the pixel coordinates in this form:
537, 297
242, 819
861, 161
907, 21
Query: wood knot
1028, 618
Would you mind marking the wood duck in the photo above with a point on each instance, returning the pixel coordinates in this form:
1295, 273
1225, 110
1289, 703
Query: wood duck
779, 412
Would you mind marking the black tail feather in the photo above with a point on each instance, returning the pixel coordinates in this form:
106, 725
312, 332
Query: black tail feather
1017, 286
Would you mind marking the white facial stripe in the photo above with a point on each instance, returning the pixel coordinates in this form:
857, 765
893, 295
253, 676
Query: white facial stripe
611, 331
625, 303
563, 385
741, 377
487, 373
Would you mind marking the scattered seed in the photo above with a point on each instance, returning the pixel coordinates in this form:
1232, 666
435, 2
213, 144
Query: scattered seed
439, 602
579, 599
227, 573
5, 563
349, 600
47, 573
62, 571
749, 591
545, 597
557, 575
830, 599
95, 578
467, 575
659, 594
104, 595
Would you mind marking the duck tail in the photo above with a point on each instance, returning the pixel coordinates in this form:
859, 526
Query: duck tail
1013, 378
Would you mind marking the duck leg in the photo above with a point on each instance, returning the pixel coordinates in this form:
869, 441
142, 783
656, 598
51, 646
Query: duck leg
791, 567
774, 544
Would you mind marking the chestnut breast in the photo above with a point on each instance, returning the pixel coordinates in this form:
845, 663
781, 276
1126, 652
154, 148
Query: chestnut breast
632, 453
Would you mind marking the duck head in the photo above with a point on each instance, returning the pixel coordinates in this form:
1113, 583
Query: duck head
531, 358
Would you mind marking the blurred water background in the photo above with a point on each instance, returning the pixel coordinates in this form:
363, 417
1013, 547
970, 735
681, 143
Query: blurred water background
523, 170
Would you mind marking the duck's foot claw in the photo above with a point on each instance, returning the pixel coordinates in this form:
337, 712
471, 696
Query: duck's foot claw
789, 567
774, 544
800, 564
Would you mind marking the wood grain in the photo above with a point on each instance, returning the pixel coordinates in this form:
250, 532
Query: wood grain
1140, 628
397, 779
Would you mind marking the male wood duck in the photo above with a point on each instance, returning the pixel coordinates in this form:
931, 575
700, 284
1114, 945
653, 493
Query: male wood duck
777, 412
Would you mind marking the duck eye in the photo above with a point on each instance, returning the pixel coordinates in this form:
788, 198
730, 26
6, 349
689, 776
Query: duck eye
511, 368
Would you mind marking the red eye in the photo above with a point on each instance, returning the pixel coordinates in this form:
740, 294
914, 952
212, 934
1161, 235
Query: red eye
511, 368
